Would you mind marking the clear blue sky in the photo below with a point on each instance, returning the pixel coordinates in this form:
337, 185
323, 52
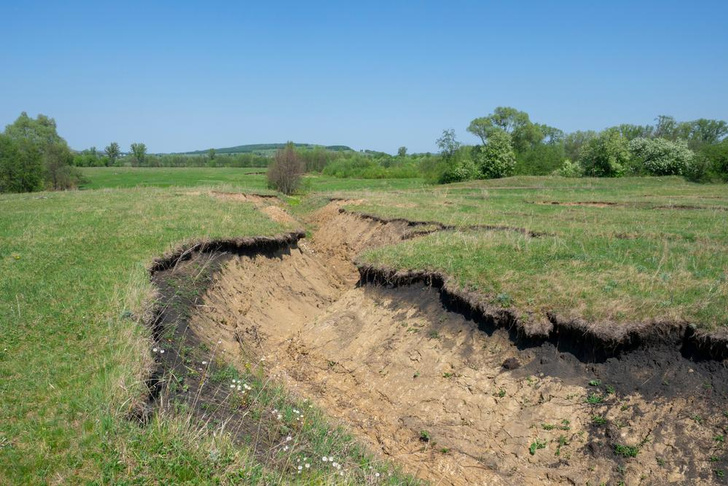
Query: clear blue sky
182, 75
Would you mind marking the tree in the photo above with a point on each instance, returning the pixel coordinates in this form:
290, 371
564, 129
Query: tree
39, 156
448, 144
524, 133
715, 159
575, 142
658, 156
706, 132
631, 132
286, 170
59, 173
112, 152
607, 155
496, 158
19, 170
139, 153
211, 154
402, 151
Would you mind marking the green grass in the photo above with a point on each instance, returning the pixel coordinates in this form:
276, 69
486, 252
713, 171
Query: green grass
74, 353
640, 260
243, 179
126, 177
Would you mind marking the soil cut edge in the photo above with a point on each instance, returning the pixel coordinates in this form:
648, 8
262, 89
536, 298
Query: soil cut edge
588, 341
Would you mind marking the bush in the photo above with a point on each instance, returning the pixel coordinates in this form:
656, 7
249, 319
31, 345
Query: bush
569, 169
286, 171
33, 157
540, 159
458, 171
496, 158
20, 170
660, 157
606, 155
716, 158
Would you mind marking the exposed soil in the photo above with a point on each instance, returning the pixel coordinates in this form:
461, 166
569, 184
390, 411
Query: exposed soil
592, 204
454, 391
605, 204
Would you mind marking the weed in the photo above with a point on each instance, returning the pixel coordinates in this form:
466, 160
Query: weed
595, 382
714, 459
594, 398
536, 445
720, 438
719, 472
433, 335
562, 441
500, 393
548, 426
424, 436
626, 450
598, 420
610, 390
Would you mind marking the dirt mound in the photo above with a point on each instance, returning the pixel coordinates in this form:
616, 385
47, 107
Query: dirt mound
450, 397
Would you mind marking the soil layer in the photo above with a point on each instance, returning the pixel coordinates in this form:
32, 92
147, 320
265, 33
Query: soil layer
455, 392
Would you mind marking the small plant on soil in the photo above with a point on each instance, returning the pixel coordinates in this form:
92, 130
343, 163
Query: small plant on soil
720, 438
595, 382
626, 451
536, 445
719, 472
562, 441
610, 390
594, 398
548, 426
714, 459
598, 420
500, 393
424, 436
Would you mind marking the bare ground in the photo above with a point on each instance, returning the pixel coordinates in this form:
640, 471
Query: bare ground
450, 398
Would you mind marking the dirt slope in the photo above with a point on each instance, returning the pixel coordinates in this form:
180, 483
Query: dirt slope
453, 401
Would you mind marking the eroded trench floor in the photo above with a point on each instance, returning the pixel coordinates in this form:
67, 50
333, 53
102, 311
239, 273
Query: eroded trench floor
441, 394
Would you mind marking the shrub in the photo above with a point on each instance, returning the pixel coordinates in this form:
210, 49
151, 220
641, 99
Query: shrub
715, 157
286, 171
606, 155
496, 158
657, 156
456, 167
33, 157
570, 169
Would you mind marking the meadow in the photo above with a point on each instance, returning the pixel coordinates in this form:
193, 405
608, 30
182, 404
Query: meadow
75, 288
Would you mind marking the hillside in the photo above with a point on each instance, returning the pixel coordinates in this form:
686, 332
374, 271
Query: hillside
267, 148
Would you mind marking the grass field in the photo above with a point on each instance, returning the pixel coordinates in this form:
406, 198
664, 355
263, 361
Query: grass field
636, 249
74, 286
73, 351
246, 178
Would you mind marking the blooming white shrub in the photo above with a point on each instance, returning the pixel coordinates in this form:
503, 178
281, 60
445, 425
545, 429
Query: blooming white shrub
657, 156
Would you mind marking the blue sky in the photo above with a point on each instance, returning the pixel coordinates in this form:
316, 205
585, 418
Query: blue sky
192, 75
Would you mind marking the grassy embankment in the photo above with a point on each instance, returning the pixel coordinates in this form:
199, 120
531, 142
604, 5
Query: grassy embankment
74, 352
651, 249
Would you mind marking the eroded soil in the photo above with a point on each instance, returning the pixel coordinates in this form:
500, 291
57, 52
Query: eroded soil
451, 399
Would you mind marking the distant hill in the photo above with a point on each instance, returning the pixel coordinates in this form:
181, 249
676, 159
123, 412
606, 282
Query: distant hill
267, 148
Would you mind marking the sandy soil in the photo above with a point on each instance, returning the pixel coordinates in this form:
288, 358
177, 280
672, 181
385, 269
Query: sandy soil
449, 402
